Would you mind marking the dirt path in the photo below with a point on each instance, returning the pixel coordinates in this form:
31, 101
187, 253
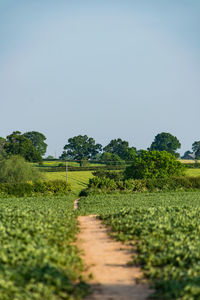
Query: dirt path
107, 261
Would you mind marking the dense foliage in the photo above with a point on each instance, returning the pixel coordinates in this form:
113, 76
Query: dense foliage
121, 149
109, 184
16, 170
17, 144
37, 256
166, 142
80, 147
111, 159
165, 228
154, 164
38, 141
22, 189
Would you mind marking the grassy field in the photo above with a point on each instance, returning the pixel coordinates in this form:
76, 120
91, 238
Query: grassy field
189, 161
192, 172
62, 163
37, 256
77, 179
80, 179
165, 227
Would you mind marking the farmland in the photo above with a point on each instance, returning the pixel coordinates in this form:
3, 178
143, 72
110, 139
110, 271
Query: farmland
77, 179
165, 229
38, 237
192, 172
38, 258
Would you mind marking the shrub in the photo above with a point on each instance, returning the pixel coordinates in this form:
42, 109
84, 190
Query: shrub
116, 175
103, 182
105, 185
135, 185
154, 164
16, 170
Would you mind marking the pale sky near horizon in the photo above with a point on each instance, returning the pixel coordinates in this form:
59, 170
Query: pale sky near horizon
108, 69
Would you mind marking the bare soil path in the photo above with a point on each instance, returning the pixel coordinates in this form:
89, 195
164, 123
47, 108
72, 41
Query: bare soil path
107, 260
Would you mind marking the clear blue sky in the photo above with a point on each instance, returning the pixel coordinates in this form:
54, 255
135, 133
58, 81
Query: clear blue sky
108, 69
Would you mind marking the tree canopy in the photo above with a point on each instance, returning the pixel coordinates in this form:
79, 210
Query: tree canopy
120, 148
154, 164
196, 149
81, 147
37, 139
18, 144
166, 142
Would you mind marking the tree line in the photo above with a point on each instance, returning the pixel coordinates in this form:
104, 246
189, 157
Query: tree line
31, 145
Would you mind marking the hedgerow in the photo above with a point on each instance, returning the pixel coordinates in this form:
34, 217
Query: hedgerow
107, 185
34, 188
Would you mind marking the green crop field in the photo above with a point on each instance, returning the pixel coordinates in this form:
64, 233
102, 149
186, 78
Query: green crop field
37, 255
77, 179
165, 227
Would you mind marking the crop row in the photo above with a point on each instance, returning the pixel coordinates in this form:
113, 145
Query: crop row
37, 257
166, 230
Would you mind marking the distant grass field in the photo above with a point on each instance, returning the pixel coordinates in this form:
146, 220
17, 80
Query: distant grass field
58, 163
78, 180
192, 172
189, 161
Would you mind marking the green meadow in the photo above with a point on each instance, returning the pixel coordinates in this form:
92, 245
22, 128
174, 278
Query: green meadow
77, 179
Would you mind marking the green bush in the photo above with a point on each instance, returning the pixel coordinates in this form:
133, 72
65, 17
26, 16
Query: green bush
25, 189
103, 182
105, 185
154, 164
116, 175
16, 170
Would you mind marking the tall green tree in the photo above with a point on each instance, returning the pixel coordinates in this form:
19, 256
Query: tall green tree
166, 142
196, 149
18, 144
38, 140
130, 155
117, 146
81, 147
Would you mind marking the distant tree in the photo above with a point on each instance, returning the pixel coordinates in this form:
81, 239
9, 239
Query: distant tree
154, 164
64, 156
18, 144
166, 142
82, 147
117, 146
111, 159
196, 149
50, 157
188, 155
16, 170
37, 140
130, 155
